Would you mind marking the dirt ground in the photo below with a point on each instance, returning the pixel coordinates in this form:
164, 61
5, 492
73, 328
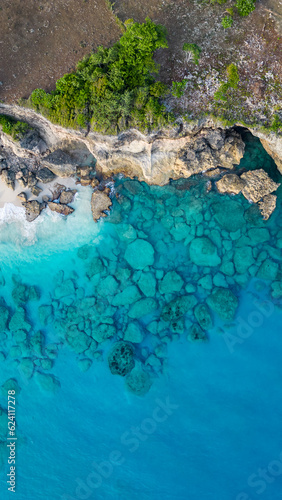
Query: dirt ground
40, 40
39, 43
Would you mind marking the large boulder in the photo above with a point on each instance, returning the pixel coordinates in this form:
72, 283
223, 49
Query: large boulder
223, 302
230, 183
120, 359
32, 210
203, 252
258, 185
60, 208
100, 202
267, 205
45, 175
67, 196
139, 254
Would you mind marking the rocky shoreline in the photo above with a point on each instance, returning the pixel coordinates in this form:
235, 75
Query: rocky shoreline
48, 151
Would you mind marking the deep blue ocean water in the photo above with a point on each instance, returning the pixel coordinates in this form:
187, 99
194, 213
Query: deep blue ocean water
210, 425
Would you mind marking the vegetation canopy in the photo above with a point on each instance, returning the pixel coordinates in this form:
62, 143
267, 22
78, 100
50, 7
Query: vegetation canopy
113, 88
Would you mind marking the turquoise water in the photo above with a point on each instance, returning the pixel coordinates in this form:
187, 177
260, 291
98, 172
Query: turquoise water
210, 425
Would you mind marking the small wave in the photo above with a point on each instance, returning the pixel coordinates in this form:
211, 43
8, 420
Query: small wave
14, 227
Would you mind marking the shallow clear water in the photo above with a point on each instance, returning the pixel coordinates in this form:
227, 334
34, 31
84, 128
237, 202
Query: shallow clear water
211, 421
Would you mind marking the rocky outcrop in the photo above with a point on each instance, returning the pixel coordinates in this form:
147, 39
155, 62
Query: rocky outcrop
33, 209
60, 208
267, 205
100, 202
201, 146
155, 158
67, 196
257, 185
230, 183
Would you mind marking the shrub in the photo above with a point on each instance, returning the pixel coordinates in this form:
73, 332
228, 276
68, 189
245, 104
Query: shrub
233, 76
245, 7
276, 124
12, 127
194, 50
232, 82
227, 22
178, 88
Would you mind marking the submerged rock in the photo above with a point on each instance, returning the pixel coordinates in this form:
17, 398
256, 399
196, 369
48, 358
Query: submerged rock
47, 382
128, 296
4, 316
203, 316
138, 382
142, 308
243, 259
268, 270
120, 359
223, 302
196, 334
139, 254
258, 185
133, 333
229, 214
171, 283
203, 252
147, 284
103, 332
178, 307
77, 340
18, 321
100, 202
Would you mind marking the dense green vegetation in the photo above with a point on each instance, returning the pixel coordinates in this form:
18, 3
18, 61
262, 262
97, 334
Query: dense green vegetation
113, 88
13, 127
227, 22
232, 83
244, 8
194, 50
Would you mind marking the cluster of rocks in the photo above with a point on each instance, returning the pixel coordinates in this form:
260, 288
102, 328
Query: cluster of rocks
255, 185
171, 267
32, 356
61, 194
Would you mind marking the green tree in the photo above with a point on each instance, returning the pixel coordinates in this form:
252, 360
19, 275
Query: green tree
113, 88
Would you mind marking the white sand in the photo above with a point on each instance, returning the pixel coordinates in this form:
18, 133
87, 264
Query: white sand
7, 195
